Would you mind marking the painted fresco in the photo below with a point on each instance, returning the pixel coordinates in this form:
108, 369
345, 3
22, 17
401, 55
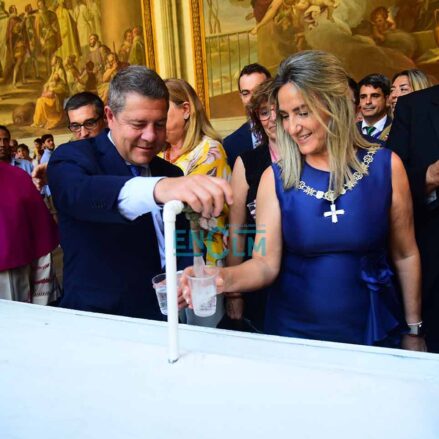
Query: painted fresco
369, 36
52, 49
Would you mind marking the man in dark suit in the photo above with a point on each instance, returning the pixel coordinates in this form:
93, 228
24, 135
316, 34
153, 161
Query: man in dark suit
242, 139
107, 191
374, 91
85, 112
415, 138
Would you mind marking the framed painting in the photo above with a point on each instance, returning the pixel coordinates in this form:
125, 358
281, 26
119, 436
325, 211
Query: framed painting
52, 49
368, 36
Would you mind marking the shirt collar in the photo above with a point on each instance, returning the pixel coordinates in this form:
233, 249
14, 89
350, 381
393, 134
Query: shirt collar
379, 126
145, 172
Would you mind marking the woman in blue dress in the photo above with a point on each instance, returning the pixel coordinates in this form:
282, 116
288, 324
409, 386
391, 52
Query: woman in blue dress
328, 214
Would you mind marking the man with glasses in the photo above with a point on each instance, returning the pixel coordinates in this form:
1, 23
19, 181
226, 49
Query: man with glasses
85, 112
242, 139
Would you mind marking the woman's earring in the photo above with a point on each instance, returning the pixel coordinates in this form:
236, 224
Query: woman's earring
186, 116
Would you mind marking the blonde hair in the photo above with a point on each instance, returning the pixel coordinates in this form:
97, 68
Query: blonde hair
322, 81
417, 79
198, 124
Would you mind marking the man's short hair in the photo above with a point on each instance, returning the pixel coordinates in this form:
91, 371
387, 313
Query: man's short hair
85, 98
38, 140
44, 137
3, 128
253, 68
135, 79
376, 80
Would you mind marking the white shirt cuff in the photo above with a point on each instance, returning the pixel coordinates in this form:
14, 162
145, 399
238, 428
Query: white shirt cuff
137, 197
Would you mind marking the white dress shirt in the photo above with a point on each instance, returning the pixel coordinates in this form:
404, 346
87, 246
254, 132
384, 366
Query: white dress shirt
137, 198
379, 126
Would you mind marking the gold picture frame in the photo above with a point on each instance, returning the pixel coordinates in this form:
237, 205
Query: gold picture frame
199, 51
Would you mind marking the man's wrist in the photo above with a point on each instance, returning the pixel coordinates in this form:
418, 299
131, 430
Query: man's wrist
156, 193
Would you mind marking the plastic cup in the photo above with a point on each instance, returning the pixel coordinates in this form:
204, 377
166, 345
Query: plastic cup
204, 292
159, 284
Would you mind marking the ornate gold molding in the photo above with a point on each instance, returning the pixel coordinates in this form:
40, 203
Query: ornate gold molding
148, 31
199, 47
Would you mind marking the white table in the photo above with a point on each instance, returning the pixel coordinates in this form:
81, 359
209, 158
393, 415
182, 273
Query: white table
69, 374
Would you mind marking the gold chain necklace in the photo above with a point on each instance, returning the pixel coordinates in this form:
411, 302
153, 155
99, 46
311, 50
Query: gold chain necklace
329, 194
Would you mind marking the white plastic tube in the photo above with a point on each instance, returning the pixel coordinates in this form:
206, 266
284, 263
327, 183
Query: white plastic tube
170, 211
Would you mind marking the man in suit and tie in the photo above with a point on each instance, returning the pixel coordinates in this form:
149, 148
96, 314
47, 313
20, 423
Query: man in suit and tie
85, 112
242, 139
108, 189
374, 93
415, 138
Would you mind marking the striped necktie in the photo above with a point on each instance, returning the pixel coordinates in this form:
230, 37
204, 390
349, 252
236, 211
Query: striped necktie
370, 130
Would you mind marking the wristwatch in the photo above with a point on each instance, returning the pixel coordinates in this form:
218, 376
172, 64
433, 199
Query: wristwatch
415, 329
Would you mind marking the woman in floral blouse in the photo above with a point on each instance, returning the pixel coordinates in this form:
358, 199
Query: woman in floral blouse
194, 146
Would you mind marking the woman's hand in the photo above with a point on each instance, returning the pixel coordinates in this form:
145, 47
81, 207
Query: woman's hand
413, 343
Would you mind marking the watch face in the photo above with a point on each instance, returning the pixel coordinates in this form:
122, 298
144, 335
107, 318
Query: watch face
415, 329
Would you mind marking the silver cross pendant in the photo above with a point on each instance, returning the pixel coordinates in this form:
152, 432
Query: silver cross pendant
333, 213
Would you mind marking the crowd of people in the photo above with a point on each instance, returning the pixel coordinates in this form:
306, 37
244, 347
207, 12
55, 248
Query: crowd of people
320, 212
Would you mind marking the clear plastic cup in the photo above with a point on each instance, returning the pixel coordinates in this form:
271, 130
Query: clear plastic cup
203, 290
159, 284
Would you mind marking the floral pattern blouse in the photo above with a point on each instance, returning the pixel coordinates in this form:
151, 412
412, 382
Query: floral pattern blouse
208, 158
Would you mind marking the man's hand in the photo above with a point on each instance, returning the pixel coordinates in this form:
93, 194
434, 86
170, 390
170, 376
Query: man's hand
39, 175
205, 195
432, 177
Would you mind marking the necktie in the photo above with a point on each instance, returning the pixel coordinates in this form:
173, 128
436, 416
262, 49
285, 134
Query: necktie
370, 130
135, 170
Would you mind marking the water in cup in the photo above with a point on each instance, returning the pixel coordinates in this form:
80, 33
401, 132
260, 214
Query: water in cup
162, 298
159, 284
203, 289
204, 300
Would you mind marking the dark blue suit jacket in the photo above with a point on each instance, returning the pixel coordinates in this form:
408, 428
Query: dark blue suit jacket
238, 142
108, 261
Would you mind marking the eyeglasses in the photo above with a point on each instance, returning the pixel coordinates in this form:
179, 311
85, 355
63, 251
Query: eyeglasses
265, 113
89, 125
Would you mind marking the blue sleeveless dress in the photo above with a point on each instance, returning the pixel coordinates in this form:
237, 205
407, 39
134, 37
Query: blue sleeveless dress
335, 283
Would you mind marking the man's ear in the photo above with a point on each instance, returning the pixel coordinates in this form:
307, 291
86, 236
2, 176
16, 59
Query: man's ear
108, 115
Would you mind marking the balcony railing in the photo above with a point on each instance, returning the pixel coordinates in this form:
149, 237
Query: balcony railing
227, 54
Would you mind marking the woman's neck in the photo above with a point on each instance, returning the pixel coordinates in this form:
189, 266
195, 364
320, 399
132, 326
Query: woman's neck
274, 152
320, 162
173, 152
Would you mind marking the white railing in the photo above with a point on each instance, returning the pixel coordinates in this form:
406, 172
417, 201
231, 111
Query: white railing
227, 54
